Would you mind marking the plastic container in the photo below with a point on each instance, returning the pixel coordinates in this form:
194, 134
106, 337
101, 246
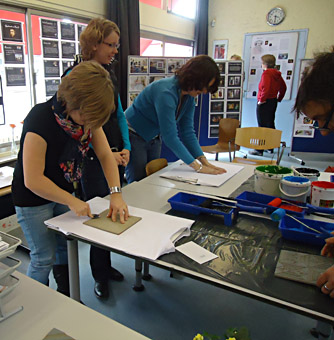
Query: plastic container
311, 174
293, 230
268, 177
295, 188
261, 200
322, 194
196, 205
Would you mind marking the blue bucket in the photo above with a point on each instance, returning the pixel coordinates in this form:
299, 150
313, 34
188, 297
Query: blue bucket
295, 188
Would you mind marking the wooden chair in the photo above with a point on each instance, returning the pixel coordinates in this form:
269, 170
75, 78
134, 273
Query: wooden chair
226, 136
155, 165
259, 138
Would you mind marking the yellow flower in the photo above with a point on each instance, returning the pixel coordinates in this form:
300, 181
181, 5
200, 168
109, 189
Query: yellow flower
199, 337
231, 339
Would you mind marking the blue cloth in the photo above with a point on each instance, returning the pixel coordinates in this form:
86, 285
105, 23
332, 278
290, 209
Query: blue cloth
142, 152
46, 248
154, 112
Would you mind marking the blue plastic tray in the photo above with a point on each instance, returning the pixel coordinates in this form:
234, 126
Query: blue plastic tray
261, 200
293, 230
192, 204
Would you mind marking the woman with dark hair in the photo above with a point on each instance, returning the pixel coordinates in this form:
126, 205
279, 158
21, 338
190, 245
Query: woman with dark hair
272, 89
165, 109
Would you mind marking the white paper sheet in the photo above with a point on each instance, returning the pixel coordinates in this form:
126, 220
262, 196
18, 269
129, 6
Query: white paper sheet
184, 173
196, 252
6, 176
149, 238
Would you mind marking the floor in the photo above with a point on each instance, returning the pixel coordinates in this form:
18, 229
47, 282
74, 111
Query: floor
179, 307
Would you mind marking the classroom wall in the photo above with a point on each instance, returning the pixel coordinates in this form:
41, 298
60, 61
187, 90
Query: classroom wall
234, 19
157, 20
86, 9
237, 17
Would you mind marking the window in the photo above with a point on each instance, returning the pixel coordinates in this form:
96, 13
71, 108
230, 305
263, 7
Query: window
185, 8
158, 45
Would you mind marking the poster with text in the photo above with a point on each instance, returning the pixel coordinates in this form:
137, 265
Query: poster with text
49, 28
51, 86
15, 76
51, 68
67, 31
11, 30
67, 50
283, 46
50, 49
14, 54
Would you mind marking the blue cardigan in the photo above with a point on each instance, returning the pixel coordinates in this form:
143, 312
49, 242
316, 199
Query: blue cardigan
154, 112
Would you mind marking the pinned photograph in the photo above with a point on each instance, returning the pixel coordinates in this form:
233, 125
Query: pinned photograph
132, 97
219, 51
222, 81
217, 106
138, 65
221, 67
233, 94
219, 94
11, 30
155, 78
137, 83
214, 119
233, 106
234, 81
157, 65
174, 64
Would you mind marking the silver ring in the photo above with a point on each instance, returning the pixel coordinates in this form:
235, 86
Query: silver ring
326, 288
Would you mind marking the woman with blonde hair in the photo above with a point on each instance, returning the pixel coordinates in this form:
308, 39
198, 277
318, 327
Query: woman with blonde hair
55, 139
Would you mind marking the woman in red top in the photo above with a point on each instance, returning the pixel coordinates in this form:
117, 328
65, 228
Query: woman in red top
272, 89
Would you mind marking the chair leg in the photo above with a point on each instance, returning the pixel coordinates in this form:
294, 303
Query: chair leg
216, 156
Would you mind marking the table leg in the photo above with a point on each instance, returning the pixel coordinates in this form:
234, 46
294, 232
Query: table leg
322, 331
73, 269
138, 286
146, 275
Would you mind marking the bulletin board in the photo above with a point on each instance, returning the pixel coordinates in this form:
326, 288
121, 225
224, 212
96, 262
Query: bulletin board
227, 101
283, 46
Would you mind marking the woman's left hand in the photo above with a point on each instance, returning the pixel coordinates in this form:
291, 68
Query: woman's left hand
326, 282
118, 206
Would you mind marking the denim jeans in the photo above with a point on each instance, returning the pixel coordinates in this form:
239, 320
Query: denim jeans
46, 247
142, 152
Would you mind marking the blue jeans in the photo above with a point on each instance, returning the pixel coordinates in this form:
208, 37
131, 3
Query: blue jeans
46, 247
142, 152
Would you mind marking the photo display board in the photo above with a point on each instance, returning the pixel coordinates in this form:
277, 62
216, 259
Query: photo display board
227, 101
143, 71
284, 47
60, 44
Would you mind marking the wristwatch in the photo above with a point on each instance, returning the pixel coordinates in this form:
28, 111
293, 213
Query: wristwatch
115, 190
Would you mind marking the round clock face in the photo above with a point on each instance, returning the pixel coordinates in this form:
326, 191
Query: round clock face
275, 16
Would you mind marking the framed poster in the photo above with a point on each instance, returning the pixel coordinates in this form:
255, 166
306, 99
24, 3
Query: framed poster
49, 28
14, 54
11, 30
219, 51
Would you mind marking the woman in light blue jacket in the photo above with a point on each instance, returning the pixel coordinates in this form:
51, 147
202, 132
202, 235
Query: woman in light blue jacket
165, 110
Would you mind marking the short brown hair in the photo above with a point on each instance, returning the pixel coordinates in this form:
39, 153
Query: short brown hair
96, 31
88, 88
269, 60
197, 73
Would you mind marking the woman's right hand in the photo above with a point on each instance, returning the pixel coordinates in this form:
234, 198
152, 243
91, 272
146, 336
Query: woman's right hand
80, 208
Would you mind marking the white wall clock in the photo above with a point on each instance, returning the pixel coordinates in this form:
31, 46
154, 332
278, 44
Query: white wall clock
275, 16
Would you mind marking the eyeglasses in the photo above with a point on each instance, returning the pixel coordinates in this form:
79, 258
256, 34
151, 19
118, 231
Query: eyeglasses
325, 127
113, 45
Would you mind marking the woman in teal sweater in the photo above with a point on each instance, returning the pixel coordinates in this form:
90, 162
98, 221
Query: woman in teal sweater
165, 109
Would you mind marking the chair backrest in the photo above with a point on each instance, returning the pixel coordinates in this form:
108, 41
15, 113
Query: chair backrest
227, 129
258, 138
155, 165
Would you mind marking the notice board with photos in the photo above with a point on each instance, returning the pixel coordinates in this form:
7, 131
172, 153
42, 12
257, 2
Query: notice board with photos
227, 101
284, 47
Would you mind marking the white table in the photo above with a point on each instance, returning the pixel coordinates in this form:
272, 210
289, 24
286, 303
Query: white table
45, 309
224, 190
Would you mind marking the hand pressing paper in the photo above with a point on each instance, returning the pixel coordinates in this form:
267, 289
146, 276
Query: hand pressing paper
105, 223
